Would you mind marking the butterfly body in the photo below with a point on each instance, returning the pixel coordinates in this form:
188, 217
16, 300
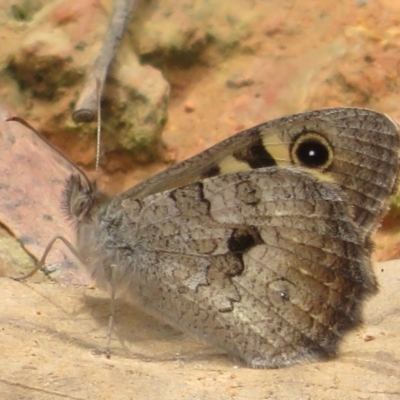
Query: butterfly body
245, 245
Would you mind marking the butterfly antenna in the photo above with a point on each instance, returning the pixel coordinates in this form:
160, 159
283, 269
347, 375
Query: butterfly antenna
98, 86
29, 126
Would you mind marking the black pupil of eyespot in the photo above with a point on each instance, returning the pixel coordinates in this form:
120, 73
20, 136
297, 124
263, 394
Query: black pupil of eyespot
312, 153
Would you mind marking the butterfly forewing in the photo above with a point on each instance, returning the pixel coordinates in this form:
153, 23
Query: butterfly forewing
362, 156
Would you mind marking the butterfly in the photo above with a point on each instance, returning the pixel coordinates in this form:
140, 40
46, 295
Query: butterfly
260, 245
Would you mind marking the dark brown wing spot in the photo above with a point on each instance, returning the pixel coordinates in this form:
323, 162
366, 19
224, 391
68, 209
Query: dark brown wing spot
255, 155
214, 170
243, 239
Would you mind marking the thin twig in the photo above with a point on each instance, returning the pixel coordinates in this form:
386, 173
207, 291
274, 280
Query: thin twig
86, 106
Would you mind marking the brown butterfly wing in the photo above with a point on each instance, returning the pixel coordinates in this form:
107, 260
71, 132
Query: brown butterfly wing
264, 264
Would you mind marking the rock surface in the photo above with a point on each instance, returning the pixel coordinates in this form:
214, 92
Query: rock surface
51, 336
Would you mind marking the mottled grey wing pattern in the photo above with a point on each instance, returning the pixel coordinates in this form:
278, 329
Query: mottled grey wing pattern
265, 264
259, 245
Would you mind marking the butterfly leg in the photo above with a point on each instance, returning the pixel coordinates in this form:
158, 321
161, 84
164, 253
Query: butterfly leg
42, 261
112, 310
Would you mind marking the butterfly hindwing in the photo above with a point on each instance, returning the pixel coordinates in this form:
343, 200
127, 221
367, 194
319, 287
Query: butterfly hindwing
264, 264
